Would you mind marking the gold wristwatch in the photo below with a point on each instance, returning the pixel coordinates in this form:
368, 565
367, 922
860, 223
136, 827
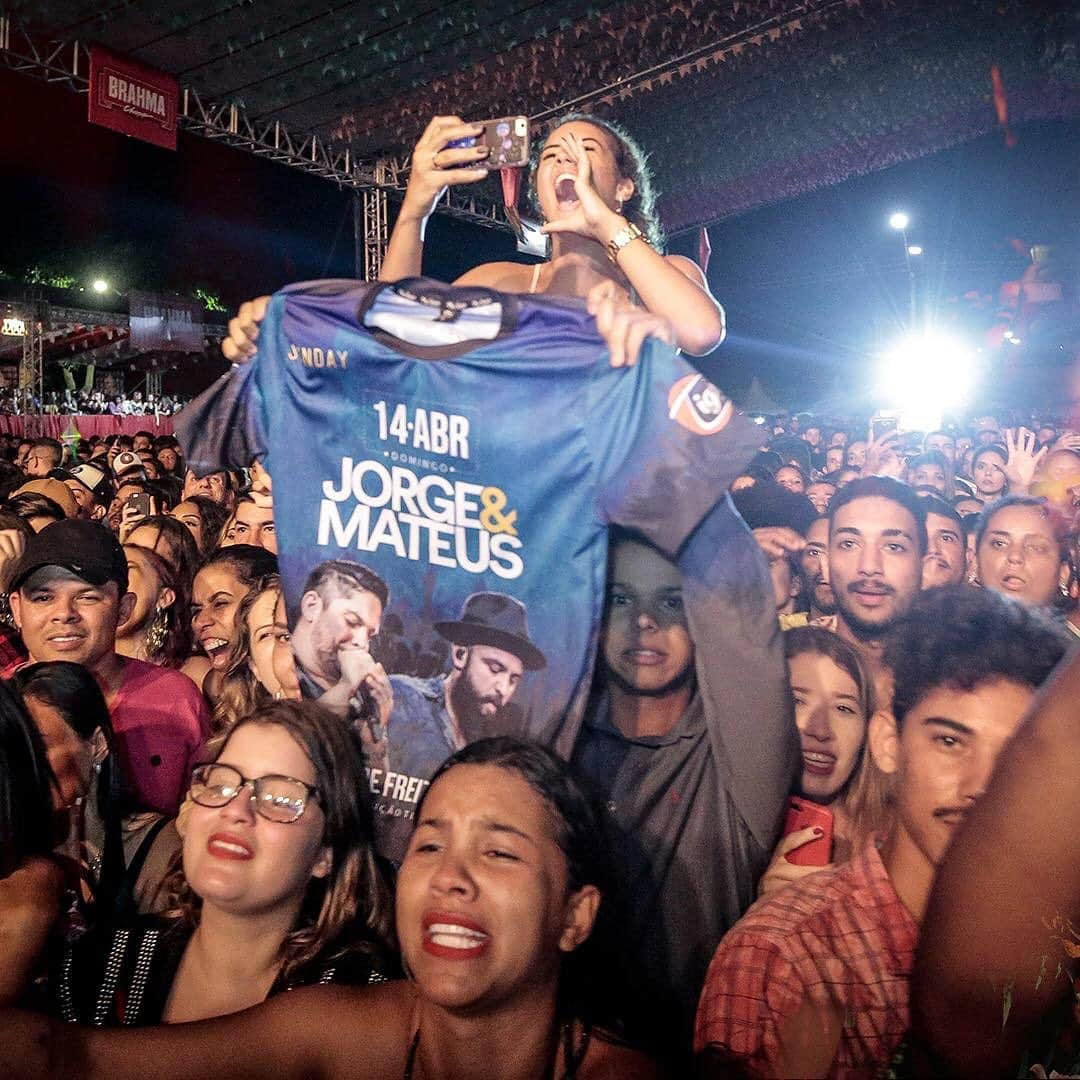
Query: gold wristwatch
624, 236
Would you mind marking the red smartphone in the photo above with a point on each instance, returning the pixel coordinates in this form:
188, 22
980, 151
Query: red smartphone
804, 814
507, 138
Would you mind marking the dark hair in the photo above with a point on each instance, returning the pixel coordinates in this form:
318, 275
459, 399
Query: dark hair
948, 435
883, 487
176, 647
936, 505
1058, 525
929, 457
26, 781
29, 504
631, 163
344, 575
182, 551
577, 830
997, 448
247, 562
350, 910
45, 443
959, 637
214, 519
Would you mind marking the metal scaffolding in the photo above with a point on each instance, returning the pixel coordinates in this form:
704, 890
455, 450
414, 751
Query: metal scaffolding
31, 367
68, 63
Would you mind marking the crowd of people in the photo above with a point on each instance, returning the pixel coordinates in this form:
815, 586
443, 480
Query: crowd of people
841, 737
69, 402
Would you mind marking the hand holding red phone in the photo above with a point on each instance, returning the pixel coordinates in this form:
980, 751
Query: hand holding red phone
781, 871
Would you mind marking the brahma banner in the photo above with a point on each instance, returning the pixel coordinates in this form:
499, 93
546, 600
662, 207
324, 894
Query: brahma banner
133, 99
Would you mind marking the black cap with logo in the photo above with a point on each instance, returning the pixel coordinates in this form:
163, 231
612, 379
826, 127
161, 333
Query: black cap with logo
84, 548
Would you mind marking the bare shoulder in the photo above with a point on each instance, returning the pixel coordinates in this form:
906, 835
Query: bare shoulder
612, 1060
369, 1029
196, 669
505, 276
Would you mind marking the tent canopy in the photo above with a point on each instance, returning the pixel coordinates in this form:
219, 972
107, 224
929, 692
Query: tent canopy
739, 103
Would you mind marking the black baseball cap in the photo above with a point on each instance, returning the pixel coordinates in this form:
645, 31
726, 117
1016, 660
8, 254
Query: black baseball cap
84, 548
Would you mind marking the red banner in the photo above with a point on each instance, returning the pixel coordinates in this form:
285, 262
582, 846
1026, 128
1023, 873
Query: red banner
133, 99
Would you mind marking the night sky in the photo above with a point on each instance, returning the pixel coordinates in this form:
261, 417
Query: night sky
811, 286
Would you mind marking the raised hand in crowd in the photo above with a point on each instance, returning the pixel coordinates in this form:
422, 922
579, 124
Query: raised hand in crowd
883, 456
240, 345
1023, 461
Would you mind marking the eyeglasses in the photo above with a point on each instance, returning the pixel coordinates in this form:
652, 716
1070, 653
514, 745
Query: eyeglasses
277, 798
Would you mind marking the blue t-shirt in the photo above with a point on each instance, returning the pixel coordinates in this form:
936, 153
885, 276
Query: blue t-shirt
476, 473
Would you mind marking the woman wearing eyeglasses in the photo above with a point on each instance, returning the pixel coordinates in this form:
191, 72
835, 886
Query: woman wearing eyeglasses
496, 911
278, 887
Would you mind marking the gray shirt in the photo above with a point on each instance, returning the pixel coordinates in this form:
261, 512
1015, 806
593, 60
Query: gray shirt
694, 814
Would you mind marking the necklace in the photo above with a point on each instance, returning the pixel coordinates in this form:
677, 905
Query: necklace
572, 1056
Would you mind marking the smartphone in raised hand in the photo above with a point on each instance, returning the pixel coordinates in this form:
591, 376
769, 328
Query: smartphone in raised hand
507, 139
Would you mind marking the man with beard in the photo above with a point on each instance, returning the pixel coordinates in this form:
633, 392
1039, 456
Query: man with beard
814, 571
340, 612
491, 651
877, 541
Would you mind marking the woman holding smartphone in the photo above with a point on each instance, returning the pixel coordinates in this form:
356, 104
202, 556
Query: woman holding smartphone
593, 190
834, 700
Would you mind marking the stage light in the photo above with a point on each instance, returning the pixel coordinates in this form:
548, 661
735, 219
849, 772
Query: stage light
899, 221
99, 285
914, 249
925, 376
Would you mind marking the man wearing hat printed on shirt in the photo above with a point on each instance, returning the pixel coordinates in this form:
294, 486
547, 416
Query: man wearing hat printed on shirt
491, 651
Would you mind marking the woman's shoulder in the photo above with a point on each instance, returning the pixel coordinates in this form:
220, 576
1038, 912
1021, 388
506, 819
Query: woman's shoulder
505, 276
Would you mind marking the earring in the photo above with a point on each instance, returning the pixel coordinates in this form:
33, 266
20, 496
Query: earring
1063, 590
156, 632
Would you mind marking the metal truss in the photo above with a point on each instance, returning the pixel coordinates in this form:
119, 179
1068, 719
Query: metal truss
31, 368
68, 62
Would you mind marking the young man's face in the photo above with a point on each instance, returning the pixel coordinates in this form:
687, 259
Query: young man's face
820, 494
252, 525
646, 639
62, 617
945, 753
874, 562
943, 444
946, 552
834, 458
856, 454
89, 508
814, 568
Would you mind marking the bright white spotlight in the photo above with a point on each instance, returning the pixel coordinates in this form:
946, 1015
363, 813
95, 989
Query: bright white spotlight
914, 249
925, 376
99, 285
899, 221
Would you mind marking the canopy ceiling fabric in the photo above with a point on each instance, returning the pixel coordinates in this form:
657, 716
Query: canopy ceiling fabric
751, 101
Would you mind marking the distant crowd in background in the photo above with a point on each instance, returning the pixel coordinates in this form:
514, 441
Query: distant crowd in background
15, 402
